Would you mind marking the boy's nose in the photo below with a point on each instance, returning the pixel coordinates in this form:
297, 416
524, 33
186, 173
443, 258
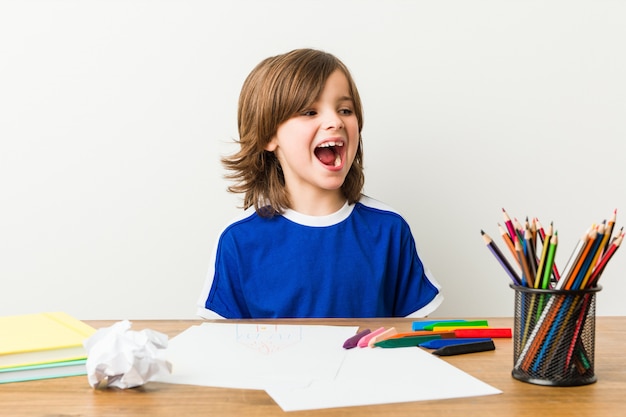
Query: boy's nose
333, 121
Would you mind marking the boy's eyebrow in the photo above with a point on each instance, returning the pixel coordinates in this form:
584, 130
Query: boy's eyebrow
339, 100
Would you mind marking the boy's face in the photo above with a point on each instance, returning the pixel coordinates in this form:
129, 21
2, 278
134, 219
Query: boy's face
316, 148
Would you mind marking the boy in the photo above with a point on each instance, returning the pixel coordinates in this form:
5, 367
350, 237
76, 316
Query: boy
309, 244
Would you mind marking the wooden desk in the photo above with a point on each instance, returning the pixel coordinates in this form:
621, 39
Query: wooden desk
74, 397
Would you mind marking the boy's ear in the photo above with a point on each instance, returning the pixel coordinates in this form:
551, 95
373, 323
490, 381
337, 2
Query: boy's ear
271, 145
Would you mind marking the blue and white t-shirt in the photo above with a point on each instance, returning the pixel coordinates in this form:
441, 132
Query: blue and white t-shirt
358, 262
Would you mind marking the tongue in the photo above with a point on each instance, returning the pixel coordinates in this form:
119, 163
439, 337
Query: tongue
326, 155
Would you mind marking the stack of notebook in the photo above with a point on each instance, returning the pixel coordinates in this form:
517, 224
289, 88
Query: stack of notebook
41, 346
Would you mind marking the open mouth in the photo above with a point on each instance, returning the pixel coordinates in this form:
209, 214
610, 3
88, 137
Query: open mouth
330, 153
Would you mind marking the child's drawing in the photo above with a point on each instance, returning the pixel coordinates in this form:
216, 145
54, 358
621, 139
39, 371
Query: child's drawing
268, 338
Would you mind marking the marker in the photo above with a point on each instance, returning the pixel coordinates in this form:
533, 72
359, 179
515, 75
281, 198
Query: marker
365, 339
419, 325
456, 324
448, 333
405, 341
382, 336
465, 348
492, 332
439, 343
453, 328
354, 340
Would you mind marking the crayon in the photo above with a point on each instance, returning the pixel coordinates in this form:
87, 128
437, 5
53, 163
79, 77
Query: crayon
491, 332
465, 348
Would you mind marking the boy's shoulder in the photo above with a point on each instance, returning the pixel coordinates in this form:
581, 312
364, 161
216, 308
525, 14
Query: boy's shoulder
372, 203
242, 218
377, 208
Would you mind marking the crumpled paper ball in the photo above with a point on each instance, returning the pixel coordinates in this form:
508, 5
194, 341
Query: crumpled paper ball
123, 358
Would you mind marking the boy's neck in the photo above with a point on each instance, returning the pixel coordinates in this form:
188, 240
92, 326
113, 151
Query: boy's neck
321, 204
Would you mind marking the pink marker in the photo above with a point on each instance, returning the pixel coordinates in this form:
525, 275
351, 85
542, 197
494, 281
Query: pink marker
382, 336
363, 342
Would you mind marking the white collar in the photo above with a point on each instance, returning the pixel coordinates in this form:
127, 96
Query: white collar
319, 221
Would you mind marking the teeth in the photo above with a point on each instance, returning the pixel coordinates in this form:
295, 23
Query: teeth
337, 160
330, 144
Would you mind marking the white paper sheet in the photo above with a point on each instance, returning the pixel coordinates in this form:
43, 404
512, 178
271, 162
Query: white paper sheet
378, 376
305, 367
255, 356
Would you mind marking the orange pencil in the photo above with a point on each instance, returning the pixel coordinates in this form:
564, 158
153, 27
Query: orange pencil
596, 256
572, 276
508, 242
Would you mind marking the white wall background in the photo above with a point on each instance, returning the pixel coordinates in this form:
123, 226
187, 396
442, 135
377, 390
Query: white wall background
113, 116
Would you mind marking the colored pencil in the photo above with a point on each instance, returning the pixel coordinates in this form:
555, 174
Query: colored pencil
621, 230
577, 330
554, 270
594, 247
552, 245
611, 226
519, 230
547, 332
541, 328
533, 232
605, 259
529, 250
542, 258
500, 257
573, 259
596, 255
571, 278
507, 240
508, 223
545, 280
527, 275
540, 231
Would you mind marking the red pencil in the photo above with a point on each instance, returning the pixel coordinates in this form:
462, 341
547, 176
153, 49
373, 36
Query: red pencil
508, 223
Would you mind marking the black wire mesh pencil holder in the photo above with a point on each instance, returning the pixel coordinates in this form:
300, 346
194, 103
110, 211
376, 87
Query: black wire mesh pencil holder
554, 336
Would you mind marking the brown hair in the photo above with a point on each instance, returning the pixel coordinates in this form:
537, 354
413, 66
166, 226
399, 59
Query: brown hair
277, 89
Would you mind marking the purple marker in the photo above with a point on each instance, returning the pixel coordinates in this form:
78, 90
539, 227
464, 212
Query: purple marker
354, 340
